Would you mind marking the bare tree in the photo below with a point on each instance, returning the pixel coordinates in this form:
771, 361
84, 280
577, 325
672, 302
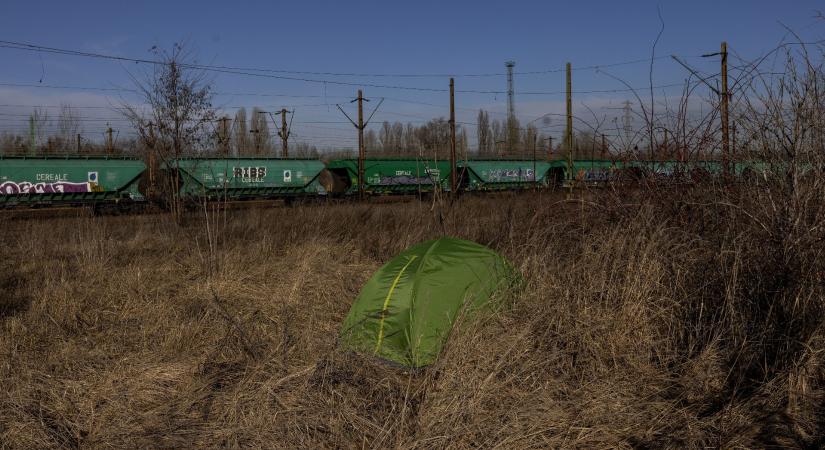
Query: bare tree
68, 126
434, 137
485, 144
371, 141
223, 135
411, 142
386, 138
259, 129
499, 137
38, 120
11, 143
463, 143
304, 150
178, 116
529, 136
397, 134
241, 134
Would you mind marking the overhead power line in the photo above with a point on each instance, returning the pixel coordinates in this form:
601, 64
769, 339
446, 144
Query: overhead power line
592, 91
40, 48
264, 73
121, 89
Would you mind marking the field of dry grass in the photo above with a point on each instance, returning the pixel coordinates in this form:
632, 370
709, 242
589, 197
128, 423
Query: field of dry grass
668, 319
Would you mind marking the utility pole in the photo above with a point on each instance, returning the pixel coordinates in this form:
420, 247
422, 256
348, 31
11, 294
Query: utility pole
360, 127
453, 184
151, 160
78, 143
109, 142
361, 149
284, 134
568, 135
511, 108
284, 131
724, 98
724, 111
550, 148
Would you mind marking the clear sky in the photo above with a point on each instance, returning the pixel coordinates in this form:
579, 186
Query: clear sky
387, 37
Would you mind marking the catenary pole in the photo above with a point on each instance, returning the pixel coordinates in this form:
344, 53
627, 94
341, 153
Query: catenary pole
453, 184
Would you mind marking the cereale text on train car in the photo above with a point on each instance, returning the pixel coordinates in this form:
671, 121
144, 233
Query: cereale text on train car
52, 177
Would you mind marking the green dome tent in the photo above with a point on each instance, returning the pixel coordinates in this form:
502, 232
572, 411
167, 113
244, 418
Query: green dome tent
406, 310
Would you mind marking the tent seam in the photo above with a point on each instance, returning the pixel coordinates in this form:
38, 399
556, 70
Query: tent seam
387, 303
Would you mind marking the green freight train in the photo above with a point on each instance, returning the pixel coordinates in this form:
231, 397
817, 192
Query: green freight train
78, 180
245, 178
72, 180
405, 176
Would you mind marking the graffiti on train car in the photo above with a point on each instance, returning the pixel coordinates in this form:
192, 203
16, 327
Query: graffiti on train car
520, 174
406, 177
403, 180
252, 174
595, 175
58, 187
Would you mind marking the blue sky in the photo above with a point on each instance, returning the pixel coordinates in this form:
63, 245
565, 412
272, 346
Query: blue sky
386, 37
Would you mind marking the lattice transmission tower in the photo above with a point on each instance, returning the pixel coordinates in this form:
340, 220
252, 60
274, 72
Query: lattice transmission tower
512, 126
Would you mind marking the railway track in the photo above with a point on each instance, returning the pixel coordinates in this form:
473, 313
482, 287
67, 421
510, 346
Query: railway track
49, 212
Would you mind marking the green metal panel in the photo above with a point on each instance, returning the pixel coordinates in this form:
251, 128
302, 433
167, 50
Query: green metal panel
595, 170
503, 174
395, 176
247, 177
604, 170
69, 179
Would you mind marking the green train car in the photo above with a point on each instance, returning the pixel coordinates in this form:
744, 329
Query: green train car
406, 176
595, 171
77, 180
244, 178
496, 175
73, 180
388, 175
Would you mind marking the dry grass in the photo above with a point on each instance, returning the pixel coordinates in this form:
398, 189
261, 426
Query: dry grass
664, 320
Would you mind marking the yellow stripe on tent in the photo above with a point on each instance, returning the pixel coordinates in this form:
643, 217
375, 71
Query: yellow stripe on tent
387, 304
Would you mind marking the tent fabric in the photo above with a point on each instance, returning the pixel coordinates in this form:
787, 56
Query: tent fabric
405, 312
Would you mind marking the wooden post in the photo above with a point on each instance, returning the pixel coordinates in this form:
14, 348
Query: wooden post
453, 184
724, 112
550, 148
361, 150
